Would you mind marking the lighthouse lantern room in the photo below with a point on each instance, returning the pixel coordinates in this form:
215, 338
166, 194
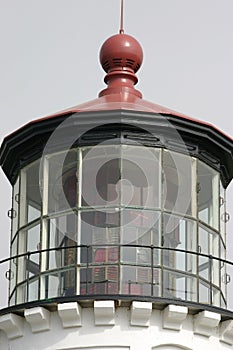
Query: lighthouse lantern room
118, 223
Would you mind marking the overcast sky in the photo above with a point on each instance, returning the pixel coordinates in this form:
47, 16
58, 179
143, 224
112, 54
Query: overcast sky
49, 61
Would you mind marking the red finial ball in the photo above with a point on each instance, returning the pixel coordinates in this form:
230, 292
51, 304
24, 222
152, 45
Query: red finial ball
121, 51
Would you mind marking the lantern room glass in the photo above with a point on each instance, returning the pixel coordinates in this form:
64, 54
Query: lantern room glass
118, 220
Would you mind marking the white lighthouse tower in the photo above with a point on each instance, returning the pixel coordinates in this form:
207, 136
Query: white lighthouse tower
118, 234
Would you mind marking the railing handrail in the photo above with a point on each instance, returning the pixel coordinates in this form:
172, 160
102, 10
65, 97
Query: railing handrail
104, 245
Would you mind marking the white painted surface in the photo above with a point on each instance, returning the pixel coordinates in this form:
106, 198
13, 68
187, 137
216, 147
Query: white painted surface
121, 335
70, 314
174, 316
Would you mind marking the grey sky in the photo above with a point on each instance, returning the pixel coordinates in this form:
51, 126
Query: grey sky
49, 61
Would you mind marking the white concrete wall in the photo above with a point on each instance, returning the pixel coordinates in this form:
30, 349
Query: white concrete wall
138, 327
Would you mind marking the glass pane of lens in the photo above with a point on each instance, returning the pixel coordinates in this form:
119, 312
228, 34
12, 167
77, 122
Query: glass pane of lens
140, 229
33, 243
62, 181
208, 195
140, 180
53, 285
179, 233
99, 253
60, 283
21, 293
204, 292
179, 286
33, 289
223, 267
100, 227
216, 295
208, 244
222, 212
136, 255
204, 248
30, 193
157, 284
102, 279
136, 280
15, 206
63, 236
100, 176
13, 265
12, 300
178, 183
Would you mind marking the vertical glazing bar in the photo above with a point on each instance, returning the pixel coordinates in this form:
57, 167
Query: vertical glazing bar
44, 258
23, 198
120, 250
15, 206
162, 220
44, 188
211, 279
216, 203
27, 277
14, 229
159, 178
152, 270
194, 188
92, 284
196, 246
78, 218
21, 269
45, 184
79, 177
222, 206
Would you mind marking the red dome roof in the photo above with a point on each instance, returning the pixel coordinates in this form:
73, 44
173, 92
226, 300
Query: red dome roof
121, 50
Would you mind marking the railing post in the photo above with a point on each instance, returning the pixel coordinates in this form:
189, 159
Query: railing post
27, 277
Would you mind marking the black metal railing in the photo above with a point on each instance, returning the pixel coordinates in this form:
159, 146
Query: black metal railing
107, 269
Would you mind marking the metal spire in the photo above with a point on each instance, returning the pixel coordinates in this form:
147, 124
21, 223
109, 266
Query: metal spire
122, 18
